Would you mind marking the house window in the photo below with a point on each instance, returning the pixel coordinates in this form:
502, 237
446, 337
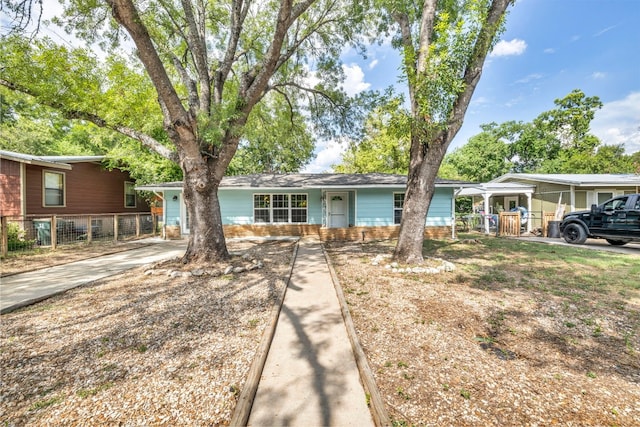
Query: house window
604, 196
261, 208
279, 208
298, 208
53, 188
129, 195
398, 204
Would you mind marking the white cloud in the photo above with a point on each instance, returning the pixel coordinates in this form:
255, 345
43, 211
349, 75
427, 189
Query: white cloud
373, 64
354, 82
550, 50
597, 75
509, 48
530, 78
328, 153
601, 32
618, 122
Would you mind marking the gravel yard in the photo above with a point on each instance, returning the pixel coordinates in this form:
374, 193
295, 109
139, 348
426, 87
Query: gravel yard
141, 348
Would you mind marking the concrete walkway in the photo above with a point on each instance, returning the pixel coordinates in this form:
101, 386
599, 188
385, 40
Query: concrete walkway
310, 377
23, 289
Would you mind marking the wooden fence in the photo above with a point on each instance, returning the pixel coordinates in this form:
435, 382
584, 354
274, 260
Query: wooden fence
25, 233
509, 224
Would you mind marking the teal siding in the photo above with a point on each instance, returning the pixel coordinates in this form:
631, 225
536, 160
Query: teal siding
375, 207
367, 207
440, 213
236, 205
172, 207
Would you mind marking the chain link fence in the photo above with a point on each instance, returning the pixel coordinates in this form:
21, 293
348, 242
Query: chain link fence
28, 233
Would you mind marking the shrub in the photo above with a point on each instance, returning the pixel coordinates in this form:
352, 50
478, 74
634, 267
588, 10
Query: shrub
16, 238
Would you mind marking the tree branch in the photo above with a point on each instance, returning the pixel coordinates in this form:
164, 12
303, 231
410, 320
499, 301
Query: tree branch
198, 49
73, 114
124, 11
473, 71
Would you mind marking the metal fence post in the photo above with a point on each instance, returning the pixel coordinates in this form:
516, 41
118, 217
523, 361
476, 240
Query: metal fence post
89, 229
5, 236
137, 225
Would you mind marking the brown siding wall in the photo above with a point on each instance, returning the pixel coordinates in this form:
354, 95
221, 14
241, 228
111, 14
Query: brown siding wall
89, 189
10, 194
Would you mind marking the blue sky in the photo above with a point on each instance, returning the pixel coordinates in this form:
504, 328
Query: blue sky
549, 48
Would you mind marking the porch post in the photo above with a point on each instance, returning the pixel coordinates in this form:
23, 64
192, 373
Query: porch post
572, 197
530, 212
486, 212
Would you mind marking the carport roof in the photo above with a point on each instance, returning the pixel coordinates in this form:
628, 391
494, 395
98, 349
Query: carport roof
596, 180
501, 188
323, 180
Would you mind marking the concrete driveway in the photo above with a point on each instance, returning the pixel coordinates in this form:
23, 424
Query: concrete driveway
23, 289
596, 244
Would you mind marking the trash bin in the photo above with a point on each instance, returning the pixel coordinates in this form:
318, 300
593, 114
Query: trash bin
43, 231
553, 229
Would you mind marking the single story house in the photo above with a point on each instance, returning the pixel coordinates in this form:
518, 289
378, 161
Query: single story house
64, 185
542, 194
331, 206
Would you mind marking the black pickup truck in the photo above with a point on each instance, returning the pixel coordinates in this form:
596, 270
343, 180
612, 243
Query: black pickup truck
617, 220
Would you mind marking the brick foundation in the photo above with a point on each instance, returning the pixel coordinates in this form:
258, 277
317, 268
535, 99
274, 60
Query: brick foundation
327, 234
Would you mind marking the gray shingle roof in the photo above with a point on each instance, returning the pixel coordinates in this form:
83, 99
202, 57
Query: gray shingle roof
318, 180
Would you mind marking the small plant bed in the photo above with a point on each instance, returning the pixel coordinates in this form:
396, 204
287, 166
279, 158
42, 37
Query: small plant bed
520, 333
142, 349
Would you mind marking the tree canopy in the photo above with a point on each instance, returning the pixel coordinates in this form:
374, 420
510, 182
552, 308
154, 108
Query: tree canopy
556, 141
197, 77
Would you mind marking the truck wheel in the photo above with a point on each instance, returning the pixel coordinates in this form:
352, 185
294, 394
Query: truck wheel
574, 234
617, 242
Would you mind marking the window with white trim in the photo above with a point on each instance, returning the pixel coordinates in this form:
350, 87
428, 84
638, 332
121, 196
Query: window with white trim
129, 195
279, 208
398, 205
53, 188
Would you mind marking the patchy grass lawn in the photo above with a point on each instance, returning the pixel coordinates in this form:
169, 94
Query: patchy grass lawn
521, 333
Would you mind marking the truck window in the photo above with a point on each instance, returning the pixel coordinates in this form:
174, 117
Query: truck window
615, 204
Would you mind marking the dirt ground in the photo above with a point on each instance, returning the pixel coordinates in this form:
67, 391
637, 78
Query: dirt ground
141, 348
511, 337
492, 344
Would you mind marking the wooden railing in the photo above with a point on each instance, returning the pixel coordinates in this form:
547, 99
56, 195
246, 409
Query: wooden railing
509, 223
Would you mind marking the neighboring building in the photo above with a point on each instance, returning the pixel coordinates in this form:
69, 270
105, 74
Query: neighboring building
64, 185
331, 206
542, 193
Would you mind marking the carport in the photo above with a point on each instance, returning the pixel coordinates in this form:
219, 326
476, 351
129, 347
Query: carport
490, 190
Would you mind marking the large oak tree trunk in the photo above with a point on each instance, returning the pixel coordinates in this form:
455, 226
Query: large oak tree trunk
423, 171
206, 237
202, 176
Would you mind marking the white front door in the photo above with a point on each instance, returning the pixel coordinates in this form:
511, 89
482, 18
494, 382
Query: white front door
337, 210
